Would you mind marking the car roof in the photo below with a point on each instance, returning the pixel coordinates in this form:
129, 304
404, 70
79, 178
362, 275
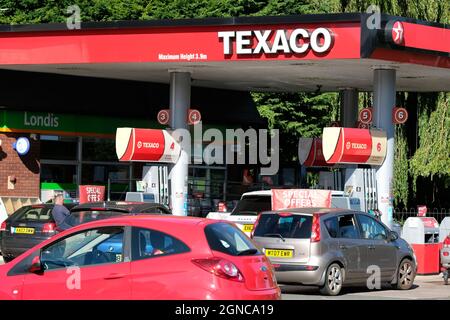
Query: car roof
143, 219
318, 210
122, 205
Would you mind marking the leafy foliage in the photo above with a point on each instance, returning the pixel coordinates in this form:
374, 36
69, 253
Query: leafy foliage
296, 115
433, 156
400, 183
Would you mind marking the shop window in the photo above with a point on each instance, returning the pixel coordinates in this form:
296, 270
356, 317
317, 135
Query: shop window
58, 173
59, 148
96, 149
96, 173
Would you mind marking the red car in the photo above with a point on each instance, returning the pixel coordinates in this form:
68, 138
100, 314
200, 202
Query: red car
142, 257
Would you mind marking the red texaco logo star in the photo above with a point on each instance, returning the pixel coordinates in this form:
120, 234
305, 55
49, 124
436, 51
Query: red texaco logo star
348, 145
397, 32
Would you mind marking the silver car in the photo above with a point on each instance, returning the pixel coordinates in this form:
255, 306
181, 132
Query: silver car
330, 248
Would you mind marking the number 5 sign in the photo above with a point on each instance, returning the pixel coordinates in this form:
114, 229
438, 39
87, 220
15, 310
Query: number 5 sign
366, 115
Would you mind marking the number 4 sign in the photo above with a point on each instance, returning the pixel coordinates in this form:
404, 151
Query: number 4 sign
194, 116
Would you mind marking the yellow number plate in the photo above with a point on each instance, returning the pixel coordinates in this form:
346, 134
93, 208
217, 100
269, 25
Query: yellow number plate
279, 253
248, 227
22, 230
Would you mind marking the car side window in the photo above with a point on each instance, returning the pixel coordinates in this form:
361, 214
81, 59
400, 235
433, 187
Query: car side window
347, 227
89, 247
332, 226
148, 243
371, 229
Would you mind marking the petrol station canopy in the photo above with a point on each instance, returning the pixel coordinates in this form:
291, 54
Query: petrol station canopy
326, 52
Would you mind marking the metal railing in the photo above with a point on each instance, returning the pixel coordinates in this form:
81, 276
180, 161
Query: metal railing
439, 214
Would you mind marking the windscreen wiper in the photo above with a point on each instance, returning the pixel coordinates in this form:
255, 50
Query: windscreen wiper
274, 235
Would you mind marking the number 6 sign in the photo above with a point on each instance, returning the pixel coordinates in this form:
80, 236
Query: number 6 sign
399, 115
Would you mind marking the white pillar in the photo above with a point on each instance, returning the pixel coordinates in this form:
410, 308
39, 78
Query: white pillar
180, 100
384, 90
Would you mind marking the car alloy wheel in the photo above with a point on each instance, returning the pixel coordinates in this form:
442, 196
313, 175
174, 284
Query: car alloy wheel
406, 275
334, 278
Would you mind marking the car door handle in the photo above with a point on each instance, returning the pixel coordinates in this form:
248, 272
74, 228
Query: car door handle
343, 247
371, 247
115, 276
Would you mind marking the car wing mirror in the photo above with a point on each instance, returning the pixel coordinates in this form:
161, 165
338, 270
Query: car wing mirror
393, 236
36, 265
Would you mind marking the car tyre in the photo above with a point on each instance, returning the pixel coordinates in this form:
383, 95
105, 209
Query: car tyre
405, 275
446, 277
334, 280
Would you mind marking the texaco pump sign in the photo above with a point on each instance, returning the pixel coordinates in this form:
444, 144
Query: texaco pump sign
351, 145
149, 145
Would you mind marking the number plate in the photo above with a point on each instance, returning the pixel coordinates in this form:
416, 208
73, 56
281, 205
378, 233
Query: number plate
22, 230
248, 228
276, 253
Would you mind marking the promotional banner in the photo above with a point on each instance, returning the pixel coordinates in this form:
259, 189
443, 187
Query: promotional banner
91, 193
352, 145
310, 153
147, 145
300, 198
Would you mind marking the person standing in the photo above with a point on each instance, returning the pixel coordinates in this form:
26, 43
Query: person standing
59, 212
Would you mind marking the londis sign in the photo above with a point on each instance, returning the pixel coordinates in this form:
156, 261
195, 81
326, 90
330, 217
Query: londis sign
148, 145
281, 41
351, 145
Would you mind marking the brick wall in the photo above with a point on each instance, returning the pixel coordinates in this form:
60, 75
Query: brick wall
26, 168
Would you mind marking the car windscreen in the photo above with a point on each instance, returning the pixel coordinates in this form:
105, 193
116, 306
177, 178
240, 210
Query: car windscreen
228, 239
34, 214
284, 226
252, 205
78, 217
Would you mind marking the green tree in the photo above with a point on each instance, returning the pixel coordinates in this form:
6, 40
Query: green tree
296, 115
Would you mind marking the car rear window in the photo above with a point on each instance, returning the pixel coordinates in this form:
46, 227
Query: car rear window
78, 217
252, 205
34, 213
228, 239
287, 226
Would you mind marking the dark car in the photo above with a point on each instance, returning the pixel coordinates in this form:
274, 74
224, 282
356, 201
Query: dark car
27, 227
87, 212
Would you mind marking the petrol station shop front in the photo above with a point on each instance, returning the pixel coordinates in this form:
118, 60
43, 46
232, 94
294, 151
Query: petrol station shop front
331, 52
67, 150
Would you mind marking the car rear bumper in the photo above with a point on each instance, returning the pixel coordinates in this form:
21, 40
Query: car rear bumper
299, 274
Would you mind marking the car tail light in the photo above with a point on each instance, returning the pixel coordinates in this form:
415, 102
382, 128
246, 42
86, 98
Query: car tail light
221, 268
446, 241
445, 253
254, 226
49, 227
315, 232
3, 226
